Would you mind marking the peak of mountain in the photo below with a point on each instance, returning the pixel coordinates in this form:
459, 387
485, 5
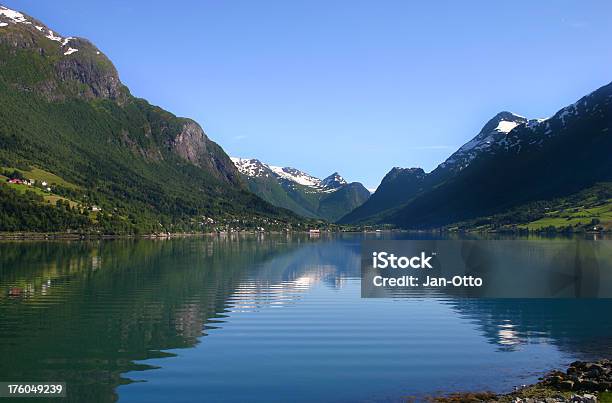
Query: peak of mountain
304, 194
503, 122
493, 134
397, 187
333, 181
251, 167
396, 172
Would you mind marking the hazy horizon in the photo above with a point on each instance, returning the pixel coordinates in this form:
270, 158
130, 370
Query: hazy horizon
353, 87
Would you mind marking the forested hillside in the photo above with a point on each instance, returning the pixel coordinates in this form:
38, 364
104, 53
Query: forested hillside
123, 165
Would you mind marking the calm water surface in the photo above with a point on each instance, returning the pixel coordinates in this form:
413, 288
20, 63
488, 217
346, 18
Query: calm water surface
268, 318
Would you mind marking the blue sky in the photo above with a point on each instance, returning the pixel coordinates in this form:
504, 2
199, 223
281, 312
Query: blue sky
351, 86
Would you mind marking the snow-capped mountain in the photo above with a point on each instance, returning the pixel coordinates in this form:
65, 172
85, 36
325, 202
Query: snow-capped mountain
305, 194
333, 181
492, 135
254, 168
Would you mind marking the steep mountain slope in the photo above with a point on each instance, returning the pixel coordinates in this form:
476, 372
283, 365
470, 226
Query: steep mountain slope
396, 188
534, 160
334, 204
306, 195
63, 109
493, 134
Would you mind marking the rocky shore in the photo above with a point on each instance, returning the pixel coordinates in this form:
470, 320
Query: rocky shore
582, 376
582, 382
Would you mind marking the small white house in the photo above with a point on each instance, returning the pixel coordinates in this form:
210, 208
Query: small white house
95, 208
44, 183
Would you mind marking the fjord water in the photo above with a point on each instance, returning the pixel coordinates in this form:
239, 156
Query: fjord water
263, 318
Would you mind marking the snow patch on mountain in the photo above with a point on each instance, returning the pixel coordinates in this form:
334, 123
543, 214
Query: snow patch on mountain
570, 111
70, 51
51, 35
505, 126
297, 176
15, 16
251, 167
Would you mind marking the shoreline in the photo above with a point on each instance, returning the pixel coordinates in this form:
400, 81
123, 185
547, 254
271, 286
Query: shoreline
67, 236
74, 236
582, 381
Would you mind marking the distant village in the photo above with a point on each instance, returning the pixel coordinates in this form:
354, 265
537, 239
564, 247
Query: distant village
29, 182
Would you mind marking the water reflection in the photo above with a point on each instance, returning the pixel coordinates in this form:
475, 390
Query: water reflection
90, 312
582, 328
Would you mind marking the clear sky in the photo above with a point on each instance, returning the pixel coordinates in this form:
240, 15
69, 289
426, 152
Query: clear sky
350, 86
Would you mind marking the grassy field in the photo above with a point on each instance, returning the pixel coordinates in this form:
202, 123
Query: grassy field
49, 197
576, 216
583, 211
40, 175
605, 397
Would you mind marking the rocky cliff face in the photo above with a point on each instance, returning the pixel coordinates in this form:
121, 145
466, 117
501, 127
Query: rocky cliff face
193, 145
98, 76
